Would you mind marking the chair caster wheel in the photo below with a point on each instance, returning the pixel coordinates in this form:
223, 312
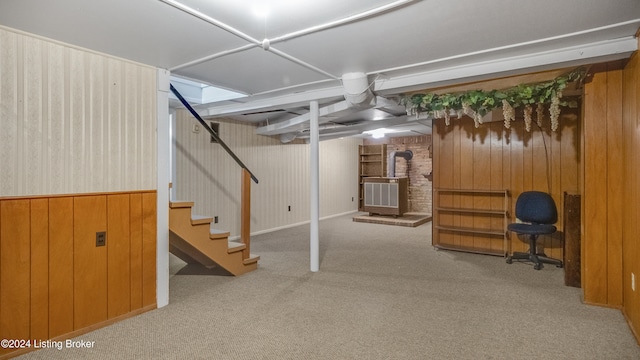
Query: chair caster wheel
509, 260
560, 266
537, 266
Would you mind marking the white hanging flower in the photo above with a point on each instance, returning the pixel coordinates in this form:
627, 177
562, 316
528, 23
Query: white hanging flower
447, 117
508, 113
554, 111
539, 114
528, 111
466, 109
478, 119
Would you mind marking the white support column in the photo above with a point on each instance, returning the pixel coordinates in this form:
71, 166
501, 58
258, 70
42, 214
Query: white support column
163, 171
172, 154
314, 243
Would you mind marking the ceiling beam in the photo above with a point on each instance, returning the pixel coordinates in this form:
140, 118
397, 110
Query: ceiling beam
602, 51
302, 121
614, 49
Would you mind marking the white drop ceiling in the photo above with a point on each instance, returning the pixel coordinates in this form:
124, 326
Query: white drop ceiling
400, 46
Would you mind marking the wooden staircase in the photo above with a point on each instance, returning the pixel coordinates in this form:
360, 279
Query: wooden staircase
192, 240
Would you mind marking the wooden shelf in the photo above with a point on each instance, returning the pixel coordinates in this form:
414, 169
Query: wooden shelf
477, 211
463, 219
474, 191
372, 162
469, 230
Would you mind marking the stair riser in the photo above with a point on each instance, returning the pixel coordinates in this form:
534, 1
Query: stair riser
195, 242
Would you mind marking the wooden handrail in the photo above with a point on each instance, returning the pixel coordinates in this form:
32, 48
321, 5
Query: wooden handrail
210, 130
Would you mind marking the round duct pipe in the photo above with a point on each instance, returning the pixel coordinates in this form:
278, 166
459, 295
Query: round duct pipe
391, 162
356, 88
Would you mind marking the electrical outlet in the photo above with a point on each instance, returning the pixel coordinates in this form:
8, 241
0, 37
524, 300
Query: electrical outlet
101, 238
215, 219
633, 281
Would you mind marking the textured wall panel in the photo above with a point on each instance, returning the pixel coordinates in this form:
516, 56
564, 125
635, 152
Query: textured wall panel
73, 121
208, 176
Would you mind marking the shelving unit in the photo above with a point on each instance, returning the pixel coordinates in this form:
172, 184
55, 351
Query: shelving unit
467, 227
372, 162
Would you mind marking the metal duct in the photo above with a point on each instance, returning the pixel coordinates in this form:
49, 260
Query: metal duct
357, 89
391, 163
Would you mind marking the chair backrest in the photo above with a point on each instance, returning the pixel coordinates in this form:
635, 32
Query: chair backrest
536, 207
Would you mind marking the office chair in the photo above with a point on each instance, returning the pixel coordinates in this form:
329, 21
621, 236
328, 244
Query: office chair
538, 213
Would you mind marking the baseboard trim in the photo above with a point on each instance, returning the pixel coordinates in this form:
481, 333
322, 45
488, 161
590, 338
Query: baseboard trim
630, 323
266, 231
85, 330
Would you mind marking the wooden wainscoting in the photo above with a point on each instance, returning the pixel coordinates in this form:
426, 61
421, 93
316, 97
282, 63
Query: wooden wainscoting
55, 282
492, 158
630, 209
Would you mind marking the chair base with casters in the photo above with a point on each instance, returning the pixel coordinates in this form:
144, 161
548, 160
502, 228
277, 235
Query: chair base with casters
536, 258
533, 231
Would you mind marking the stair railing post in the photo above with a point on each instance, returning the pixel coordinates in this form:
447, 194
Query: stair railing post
245, 213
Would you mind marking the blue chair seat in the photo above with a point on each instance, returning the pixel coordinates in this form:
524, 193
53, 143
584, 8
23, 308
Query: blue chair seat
529, 229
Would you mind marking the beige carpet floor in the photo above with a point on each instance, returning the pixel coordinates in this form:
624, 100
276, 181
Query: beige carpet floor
382, 292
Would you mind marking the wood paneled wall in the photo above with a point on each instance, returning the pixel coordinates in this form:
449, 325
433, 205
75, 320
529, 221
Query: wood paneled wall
629, 208
611, 250
492, 157
55, 282
602, 195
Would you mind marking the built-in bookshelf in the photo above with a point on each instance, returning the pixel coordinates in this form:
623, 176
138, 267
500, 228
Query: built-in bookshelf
372, 162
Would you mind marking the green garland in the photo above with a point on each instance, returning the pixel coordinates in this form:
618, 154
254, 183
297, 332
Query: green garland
477, 103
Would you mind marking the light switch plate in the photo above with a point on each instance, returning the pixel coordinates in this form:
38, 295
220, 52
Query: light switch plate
101, 238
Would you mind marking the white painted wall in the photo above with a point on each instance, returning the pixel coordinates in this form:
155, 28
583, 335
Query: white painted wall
73, 121
209, 177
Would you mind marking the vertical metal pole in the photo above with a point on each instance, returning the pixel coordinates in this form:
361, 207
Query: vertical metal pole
314, 243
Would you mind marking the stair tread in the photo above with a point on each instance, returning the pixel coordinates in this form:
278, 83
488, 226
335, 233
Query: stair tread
235, 247
180, 204
217, 234
198, 219
216, 231
252, 259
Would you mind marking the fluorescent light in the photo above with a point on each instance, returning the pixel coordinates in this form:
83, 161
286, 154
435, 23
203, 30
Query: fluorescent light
379, 133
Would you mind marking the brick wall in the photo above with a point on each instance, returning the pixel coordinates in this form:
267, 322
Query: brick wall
420, 194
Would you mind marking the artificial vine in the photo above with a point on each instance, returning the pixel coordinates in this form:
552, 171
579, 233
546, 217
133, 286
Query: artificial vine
478, 103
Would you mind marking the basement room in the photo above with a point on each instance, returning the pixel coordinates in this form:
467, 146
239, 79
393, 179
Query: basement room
379, 179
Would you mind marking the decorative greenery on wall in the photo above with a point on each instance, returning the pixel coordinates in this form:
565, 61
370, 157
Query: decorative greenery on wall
478, 103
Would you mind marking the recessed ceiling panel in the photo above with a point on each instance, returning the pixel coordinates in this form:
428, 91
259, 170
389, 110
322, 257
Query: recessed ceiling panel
252, 71
146, 31
262, 19
431, 30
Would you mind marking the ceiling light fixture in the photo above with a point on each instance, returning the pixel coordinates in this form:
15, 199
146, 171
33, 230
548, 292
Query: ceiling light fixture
377, 133
380, 133
260, 11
